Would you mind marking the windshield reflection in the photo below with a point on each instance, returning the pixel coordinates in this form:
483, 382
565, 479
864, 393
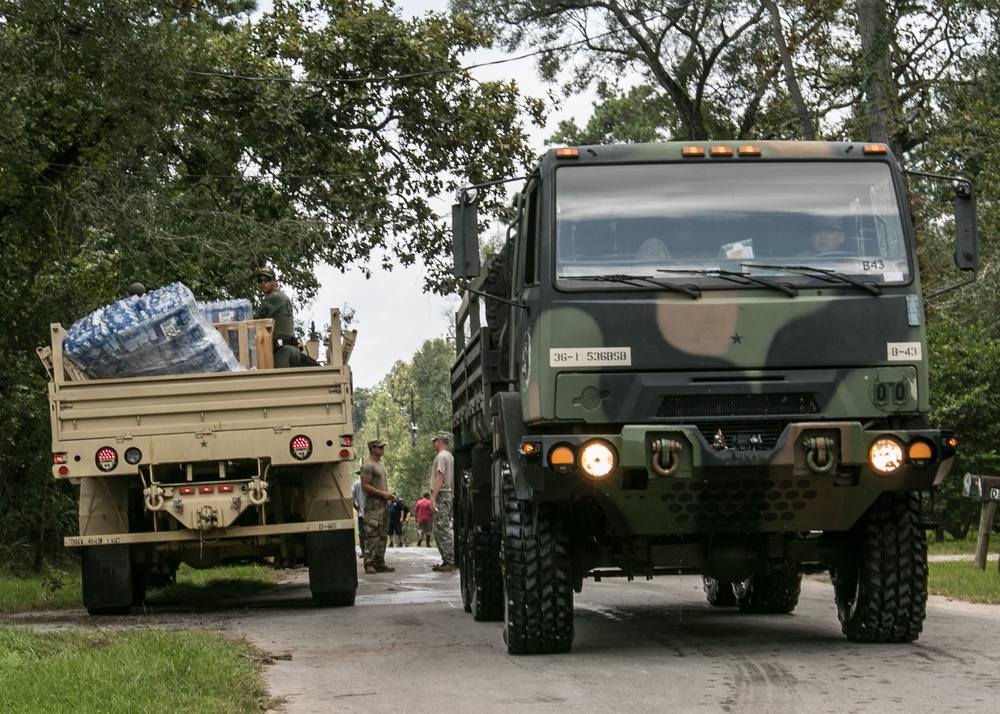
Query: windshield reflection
757, 219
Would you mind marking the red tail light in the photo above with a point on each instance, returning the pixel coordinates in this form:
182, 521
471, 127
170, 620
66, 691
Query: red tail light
301, 447
107, 458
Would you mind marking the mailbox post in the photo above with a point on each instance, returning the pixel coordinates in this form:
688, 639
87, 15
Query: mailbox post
986, 489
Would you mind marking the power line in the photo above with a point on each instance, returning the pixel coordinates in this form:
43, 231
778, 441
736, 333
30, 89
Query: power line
371, 79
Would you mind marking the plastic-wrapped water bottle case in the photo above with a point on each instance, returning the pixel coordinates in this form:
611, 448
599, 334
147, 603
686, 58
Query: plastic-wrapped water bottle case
165, 331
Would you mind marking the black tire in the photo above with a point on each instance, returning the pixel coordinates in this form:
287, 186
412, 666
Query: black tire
478, 555
333, 569
718, 593
880, 581
771, 592
538, 584
487, 593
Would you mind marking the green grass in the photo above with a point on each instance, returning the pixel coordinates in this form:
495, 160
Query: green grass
215, 585
61, 589
960, 580
56, 590
128, 671
950, 546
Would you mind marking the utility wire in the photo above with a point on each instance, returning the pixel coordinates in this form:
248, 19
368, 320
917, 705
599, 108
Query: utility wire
426, 73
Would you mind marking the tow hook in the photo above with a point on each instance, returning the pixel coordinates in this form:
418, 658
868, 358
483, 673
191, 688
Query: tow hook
665, 449
154, 497
257, 493
819, 454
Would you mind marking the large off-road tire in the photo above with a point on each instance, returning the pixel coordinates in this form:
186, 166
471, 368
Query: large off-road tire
333, 569
718, 593
771, 592
880, 581
538, 584
478, 552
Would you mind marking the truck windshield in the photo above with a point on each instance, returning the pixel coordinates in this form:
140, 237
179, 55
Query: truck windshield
759, 219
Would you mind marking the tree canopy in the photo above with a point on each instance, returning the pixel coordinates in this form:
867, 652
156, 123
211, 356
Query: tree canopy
164, 140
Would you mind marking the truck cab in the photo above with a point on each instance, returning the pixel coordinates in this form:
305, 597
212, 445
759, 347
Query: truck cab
699, 357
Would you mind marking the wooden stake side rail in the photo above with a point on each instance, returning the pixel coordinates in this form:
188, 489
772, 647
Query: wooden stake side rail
262, 339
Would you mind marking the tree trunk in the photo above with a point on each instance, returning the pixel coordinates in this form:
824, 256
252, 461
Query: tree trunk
791, 81
878, 110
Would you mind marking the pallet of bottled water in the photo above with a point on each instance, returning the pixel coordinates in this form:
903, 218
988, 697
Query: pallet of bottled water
228, 313
163, 332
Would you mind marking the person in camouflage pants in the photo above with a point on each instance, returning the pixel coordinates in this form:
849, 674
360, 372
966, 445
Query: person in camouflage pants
374, 482
442, 484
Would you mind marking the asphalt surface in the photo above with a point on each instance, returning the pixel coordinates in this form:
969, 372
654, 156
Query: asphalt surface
408, 646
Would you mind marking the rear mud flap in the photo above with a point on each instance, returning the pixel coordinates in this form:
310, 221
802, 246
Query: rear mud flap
107, 577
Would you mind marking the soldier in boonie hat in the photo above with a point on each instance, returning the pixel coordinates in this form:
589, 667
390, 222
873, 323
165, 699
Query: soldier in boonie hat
442, 435
376, 444
266, 273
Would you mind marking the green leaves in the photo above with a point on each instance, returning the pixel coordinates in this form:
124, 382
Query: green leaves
160, 141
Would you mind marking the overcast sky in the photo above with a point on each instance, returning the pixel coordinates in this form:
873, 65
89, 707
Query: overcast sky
393, 316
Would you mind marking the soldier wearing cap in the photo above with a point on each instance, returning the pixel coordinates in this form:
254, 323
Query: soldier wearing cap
826, 235
278, 307
375, 484
442, 483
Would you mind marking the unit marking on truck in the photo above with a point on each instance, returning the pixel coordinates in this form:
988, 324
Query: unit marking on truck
903, 351
590, 357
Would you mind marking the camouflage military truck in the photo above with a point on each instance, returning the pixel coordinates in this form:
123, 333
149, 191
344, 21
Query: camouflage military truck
207, 469
679, 372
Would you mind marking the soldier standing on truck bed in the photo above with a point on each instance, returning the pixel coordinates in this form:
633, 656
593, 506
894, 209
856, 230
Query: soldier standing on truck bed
278, 307
374, 482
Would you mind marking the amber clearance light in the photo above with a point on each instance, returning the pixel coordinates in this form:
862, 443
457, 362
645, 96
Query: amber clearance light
562, 459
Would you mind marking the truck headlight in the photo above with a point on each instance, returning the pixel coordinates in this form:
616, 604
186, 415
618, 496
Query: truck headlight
885, 455
597, 459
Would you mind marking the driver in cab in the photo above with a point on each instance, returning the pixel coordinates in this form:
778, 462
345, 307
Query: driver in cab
826, 235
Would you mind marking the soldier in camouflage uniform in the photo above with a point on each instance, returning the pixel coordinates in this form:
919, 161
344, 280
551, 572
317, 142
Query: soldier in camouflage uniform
442, 485
374, 482
278, 307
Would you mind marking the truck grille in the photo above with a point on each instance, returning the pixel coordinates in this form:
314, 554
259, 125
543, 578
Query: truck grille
735, 505
699, 406
744, 435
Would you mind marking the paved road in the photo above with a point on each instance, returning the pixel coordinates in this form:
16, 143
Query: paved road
408, 646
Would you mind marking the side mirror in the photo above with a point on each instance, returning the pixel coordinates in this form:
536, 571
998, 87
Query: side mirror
966, 231
465, 235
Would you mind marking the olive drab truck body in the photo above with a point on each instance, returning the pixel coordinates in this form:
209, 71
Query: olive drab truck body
206, 469
671, 378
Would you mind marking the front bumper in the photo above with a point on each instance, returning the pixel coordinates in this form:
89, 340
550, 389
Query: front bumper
693, 486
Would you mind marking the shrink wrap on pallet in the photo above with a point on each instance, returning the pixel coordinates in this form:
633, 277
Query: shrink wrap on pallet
162, 332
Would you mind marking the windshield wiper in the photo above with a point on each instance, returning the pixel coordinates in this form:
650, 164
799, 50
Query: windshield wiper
690, 290
741, 278
830, 276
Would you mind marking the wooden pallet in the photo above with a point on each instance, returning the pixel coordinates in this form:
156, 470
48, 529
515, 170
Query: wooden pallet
260, 333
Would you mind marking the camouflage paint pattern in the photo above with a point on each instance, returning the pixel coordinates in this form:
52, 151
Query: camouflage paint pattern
739, 377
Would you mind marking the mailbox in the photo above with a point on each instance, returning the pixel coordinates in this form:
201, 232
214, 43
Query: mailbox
985, 488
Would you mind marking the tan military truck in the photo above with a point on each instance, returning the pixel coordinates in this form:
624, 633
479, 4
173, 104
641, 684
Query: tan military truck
207, 469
